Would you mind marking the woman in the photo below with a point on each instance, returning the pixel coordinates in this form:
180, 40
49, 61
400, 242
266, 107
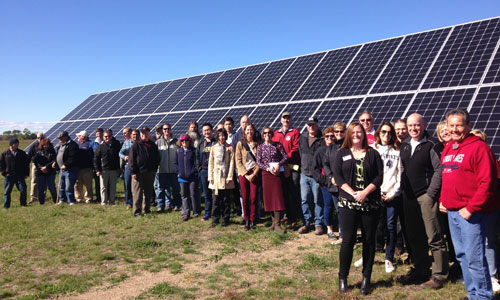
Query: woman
220, 178
248, 173
358, 171
323, 174
186, 164
270, 158
387, 145
44, 157
339, 132
443, 136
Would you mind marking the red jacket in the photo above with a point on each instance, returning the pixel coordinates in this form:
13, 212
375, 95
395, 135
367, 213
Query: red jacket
290, 142
470, 176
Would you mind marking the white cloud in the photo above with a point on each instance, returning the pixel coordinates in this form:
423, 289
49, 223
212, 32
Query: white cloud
32, 126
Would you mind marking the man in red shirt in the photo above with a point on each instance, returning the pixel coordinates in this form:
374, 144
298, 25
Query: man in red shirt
469, 193
366, 119
289, 138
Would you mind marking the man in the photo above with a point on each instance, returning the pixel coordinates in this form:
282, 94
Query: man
470, 192
421, 181
31, 153
289, 137
401, 130
127, 131
67, 160
98, 140
143, 163
229, 126
84, 177
14, 166
203, 152
107, 166
244, 121
309, 142
167, 193
366, 120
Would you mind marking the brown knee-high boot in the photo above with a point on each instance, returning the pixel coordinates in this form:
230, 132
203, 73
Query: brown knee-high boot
277, 226
274, 221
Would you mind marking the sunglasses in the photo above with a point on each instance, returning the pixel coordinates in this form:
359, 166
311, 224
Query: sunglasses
167, 128
339, 131
267, 132
365, 120
385, 132
329, 136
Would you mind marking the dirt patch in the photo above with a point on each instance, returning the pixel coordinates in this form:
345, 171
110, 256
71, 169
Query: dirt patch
200, 267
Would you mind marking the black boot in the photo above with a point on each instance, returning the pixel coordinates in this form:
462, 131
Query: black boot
342, 285
252, 225
247, 225
365, 286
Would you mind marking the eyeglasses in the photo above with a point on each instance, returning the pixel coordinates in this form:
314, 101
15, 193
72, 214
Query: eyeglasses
339, 131
107, 136
385, 132
267, 132
365, 120
166, 128
329, 136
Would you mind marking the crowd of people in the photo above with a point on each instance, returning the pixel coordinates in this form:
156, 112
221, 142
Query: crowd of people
405, 190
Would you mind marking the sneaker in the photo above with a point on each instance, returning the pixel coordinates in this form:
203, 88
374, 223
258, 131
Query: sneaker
318, 230
160, 210
337, 242
205, 218
196, 215
433, 283
304, 229
358, 263
185, 218
59, 203
177, 208
103, 204
495, 285
71, 203
389, 267
87, 201
331, 235
129, 206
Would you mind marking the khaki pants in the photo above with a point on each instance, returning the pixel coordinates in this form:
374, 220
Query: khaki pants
84, 178
143, 191
34, 184
108, 186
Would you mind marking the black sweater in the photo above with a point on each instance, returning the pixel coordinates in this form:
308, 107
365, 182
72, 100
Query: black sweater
325, 159
344, 171
307, 153
142, 158
14, 165
44, 159
107, 156
422, 170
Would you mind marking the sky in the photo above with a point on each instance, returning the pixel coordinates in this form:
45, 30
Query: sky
54, 54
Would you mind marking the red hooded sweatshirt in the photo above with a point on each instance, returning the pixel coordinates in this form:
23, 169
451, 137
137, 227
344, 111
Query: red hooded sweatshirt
470, 176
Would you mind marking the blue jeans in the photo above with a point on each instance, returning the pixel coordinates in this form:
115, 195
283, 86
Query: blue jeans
328, 205
492, 222
8, 185
206, 192
311, 199
67, 190
392, 210
469, 239
127, 176
45, 181
167, 191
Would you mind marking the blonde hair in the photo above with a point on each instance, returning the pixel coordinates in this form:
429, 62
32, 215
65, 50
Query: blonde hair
480, 133
440, 127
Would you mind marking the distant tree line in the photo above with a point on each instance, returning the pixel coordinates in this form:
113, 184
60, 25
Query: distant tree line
26, 134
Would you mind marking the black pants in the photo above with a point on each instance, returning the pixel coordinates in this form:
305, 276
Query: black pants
350, 219
221, 205
291, 195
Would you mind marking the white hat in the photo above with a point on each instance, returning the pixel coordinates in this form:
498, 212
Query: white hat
82, 133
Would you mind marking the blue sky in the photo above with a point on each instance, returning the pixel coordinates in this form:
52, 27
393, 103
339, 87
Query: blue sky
54, 54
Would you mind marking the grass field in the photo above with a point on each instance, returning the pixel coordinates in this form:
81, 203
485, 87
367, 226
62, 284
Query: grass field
51, 251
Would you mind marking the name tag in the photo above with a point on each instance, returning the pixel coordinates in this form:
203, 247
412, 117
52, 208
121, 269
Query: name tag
347, 157
288, 138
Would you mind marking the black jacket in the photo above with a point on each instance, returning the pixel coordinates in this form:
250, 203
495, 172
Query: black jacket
307, 153
32, 149
142, 158
422, 170
344, 171
44, 159
70, 155
324, 160
186, 163
203, 152
107, 156
14, 165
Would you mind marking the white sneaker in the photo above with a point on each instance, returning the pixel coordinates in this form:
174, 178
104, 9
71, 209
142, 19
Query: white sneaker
358, 263
71, 204
59, 203
87, 201
103, 203
495, 285
389, 268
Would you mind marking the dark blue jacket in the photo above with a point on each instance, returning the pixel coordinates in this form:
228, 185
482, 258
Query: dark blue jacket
186, 163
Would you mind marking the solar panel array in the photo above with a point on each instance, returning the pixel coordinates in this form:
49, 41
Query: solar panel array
428, 72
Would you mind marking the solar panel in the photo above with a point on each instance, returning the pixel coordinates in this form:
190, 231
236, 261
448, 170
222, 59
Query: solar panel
428, 72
